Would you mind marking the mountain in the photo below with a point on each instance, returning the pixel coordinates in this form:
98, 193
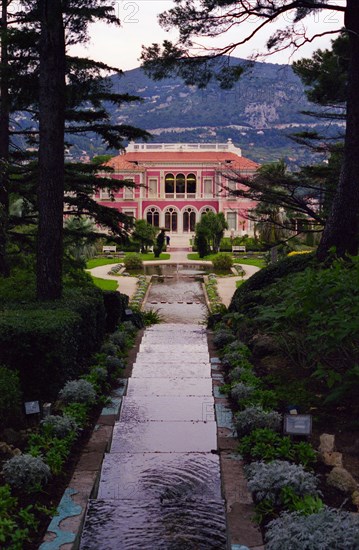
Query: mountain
258, 114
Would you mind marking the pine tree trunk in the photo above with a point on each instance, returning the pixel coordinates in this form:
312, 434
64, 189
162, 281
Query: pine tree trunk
342, 228
51, 151
4, 143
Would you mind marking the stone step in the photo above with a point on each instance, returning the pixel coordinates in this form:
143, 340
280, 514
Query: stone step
155, 525
164, 437
175, 349
167, 409
141, 476
201, 387
171, 370
160, 356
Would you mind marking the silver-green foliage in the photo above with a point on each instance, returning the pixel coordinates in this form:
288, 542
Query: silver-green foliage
256, 417
328, 529
241, 391
59, 426
78, 391
237, 373
26, 472
267, 479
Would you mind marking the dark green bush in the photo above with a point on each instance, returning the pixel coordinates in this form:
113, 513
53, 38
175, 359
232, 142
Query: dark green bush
201, 245
268, 276
42, 345
222, 262
49, 343
133, 261
10, 397
115, 305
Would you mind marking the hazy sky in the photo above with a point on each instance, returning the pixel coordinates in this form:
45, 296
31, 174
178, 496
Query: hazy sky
121, 47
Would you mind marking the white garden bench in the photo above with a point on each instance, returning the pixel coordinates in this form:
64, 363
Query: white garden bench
238, 249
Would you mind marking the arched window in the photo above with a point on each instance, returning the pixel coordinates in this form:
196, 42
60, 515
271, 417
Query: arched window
189, 219
169, 184
191, 184
171, 219
153, 216
206, 209
180, 184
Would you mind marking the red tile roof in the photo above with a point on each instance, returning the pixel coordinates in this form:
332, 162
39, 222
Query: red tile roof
128, 161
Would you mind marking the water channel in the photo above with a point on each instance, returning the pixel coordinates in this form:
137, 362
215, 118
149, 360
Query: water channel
176, 293
160, 485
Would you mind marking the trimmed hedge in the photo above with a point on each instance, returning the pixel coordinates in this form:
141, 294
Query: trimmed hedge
268, 276
49, 343
43, 346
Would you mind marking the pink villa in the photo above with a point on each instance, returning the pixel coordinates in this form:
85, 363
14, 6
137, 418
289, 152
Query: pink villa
175, 183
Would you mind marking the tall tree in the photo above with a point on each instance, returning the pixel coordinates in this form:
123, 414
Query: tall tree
50, 194
4, 140
214, 18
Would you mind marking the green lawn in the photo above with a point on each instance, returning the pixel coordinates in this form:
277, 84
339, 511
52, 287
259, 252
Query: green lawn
97, 262
150, 256
195, 256
105, 284
258, 262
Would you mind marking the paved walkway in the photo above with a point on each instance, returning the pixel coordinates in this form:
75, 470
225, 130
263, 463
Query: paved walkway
160, 484
226, 285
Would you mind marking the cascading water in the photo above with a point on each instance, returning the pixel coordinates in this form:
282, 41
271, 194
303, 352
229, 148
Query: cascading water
160, 483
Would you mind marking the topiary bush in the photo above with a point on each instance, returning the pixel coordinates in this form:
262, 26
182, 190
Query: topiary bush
222, 262
267, 479
78, 391
255, 417
115, 306
27, 473
326, 530
133, 261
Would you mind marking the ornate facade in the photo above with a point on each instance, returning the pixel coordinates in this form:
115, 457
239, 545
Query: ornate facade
175, 183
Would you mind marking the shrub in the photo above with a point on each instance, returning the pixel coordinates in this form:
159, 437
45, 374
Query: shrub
114, 364
48, 343
16, 524
59, 426
98, 378
235, 374
133, 261
270, 275
241, 391
264, 444
325, 530
53, 450
78, 391
26, 472
109, 348
222, 262
77, 411
115, 306
10, 396
120, 339
222, 337
266, 480
201, 244
255, 417
129, 328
